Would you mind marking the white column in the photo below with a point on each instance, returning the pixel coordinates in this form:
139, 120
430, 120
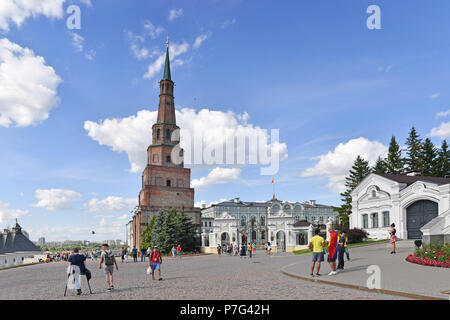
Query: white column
329, 224
310, 233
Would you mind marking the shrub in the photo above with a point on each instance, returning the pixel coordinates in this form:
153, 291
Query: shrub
434, 251
356, 235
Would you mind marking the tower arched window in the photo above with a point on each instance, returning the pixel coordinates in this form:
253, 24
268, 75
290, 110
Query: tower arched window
168, 134
158, 133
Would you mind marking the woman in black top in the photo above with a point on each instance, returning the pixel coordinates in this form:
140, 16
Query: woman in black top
393, 237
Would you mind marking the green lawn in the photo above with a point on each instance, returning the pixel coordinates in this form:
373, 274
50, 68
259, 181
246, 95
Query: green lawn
17, 266
350, 245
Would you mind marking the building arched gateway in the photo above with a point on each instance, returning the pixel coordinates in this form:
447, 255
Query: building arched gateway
419, 214
225, 238
412, 203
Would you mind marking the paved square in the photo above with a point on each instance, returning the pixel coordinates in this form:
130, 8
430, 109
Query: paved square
199, 277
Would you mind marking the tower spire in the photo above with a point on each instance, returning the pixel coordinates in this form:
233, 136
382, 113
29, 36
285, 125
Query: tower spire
167, 75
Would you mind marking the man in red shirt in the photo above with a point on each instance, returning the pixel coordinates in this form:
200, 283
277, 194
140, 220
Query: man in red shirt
155, 262
179, 251
332, 250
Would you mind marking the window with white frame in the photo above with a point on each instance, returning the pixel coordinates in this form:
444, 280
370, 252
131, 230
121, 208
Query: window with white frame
365, 221
386, 219
375, 220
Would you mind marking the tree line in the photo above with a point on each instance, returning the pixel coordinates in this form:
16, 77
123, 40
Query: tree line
422, 157
170, 228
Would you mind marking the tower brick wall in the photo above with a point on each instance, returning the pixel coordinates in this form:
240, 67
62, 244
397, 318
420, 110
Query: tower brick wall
165, 184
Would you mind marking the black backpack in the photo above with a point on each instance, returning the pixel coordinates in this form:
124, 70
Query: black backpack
109, 259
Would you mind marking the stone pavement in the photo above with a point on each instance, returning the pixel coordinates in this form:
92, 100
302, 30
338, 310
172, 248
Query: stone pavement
396, 273
196, 278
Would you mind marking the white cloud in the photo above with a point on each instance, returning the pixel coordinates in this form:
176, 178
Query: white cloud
217, 176
91, 54
16, 11
55, 199
385, 69
152, 30
111, 204
174, 51
133, 134
199, 40
175, 14
435, 96
337, 163
443, 114
28, 87
228, 23
443, 131
7, 213
86, 2
77, 41
137, 41
199, 204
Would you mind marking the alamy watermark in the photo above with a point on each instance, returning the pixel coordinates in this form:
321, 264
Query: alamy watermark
374, 280
233, 150
74, 20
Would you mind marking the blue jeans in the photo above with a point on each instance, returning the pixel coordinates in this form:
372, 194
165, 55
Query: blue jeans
347, 253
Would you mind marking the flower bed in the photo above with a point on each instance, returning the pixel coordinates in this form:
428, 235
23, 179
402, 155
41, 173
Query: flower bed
436, 255
428, 262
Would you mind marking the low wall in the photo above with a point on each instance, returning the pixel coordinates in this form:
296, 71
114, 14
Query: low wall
444, 238
295, 248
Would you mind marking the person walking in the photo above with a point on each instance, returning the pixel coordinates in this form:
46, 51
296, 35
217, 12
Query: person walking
243, 248
249, 247
316, 244
332, 250
179, 251
218, 249
134, 253
174, 252
155, 261
143, 254
347, 253
341, 251
78, 260
107, 257
393, 237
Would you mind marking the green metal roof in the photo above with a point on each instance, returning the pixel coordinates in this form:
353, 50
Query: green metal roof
167, 75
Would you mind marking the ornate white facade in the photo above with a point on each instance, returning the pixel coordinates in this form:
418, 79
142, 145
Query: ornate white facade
413, 203
273, 221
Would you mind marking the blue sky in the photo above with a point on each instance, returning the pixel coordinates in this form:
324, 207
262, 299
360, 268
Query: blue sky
311, 69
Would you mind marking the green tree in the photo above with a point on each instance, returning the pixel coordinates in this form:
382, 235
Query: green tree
173, 228
394, 161
442, 167
414, 151
187, 233
157, 236
380, 166
357, 173
428, 158
147, 233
